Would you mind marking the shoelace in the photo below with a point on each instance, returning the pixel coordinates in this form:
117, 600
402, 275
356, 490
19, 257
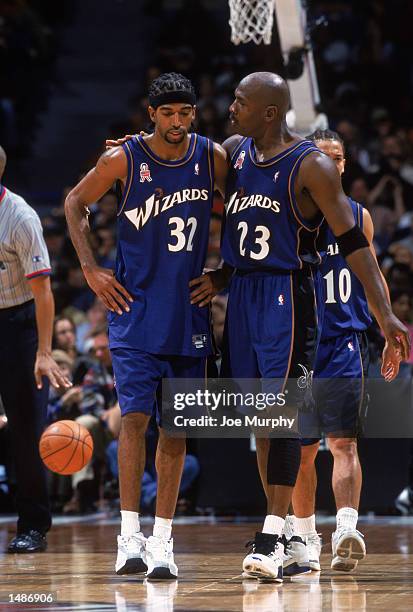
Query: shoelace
161, 546
251, 546
133, 541
314, 539
264, 549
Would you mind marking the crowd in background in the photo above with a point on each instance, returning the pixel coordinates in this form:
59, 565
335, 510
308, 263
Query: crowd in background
29, 45
366, 82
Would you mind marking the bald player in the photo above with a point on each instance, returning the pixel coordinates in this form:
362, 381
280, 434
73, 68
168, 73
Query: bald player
278, 190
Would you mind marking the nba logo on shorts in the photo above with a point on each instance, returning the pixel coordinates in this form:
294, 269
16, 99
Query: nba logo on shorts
145, 173
199, 340
281, 300
350, 346
240, 161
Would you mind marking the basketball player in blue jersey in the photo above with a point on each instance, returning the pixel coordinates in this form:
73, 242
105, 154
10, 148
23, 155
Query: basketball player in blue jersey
278, 190
341, 364
163, 224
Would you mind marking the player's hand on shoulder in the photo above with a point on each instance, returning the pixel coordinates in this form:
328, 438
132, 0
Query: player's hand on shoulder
231, 143
221, 165
103, 282
109, 143
208, 286
45, 365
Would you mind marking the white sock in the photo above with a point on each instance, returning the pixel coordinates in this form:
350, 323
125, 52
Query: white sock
273, 524
130, 522
304, 525
162, 528
289, 526
347, 517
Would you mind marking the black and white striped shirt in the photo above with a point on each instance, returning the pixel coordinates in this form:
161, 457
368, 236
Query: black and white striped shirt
23, 251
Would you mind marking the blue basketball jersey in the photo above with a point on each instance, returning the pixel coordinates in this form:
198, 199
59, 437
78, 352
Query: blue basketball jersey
163, 230
263, 227
345, 303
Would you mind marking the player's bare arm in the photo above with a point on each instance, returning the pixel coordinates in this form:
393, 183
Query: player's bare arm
230, 144
45, 365
220, 168
319, 179
390, 360
208, 285
110, 167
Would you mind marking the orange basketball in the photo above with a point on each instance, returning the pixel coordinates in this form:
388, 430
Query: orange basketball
66, 447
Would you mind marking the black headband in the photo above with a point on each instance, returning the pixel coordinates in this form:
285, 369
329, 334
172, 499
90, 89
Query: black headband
170, 97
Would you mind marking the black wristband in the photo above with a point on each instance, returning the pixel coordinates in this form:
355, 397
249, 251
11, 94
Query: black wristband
351, 241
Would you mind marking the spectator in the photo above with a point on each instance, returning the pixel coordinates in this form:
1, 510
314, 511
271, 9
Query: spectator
96, 318
106, 211
149, 480
400, 277
92, 404
402, 304
64, 338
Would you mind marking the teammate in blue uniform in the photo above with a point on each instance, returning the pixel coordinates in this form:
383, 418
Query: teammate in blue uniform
340, 394
154, 332
278, 188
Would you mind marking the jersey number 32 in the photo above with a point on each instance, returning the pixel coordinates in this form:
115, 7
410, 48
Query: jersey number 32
182, 233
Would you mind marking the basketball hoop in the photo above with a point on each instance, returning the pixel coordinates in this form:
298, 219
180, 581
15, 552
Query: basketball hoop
251, 20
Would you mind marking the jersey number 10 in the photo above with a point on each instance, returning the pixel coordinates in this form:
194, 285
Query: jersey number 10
344, 286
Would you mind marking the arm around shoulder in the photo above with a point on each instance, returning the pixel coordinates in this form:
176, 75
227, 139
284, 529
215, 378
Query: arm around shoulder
231, 143
221, 167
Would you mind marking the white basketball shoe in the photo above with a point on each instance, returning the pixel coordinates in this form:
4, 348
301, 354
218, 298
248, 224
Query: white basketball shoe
131, 557
313, 542
265, 559
348, 549
296, 559
160, 559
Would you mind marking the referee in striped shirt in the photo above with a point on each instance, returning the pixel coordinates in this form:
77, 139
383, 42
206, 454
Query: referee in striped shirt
26, 365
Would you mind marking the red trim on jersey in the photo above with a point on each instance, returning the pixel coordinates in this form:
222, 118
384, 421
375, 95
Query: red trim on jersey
2, 193
46, 271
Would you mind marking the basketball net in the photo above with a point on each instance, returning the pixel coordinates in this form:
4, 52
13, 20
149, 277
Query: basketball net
251, 20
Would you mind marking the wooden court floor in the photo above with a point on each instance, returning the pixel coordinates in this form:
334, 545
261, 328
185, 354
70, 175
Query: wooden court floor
78, 571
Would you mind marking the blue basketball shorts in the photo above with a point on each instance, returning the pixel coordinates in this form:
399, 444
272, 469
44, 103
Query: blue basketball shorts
271, 327
339, 388
138, 377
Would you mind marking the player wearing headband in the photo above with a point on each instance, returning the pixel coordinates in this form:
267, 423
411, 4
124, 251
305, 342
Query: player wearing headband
168, 182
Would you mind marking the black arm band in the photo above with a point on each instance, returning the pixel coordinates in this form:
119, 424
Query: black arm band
351, 241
